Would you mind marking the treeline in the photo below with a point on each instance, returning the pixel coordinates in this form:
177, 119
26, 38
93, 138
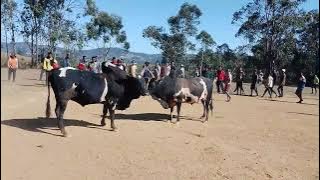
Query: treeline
57, 22
280, 34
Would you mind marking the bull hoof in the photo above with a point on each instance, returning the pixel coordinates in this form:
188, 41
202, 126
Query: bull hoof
103, 123
65, 134
114, 129
201, 117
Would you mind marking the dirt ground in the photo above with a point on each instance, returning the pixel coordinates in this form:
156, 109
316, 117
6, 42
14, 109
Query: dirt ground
247, 138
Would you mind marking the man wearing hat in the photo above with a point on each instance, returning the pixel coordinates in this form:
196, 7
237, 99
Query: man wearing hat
282, 82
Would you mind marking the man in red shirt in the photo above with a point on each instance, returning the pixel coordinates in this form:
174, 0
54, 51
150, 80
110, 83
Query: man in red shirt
220, 79
81, 66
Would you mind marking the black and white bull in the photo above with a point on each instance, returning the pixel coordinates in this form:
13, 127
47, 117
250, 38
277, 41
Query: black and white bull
113, 88
172, 91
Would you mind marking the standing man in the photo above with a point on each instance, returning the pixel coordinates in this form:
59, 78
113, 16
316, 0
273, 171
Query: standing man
133, 69
65, 61
168, 69
147, 74
254, 82
43, 71
197, 72
157, 70
114, 61
82, 66
239, 81
315, 83
301, 85
92, 64
183, 71
268, 84
49, 64
260, 77
275, 78
12, 66
227, 82
220, 79
282, 82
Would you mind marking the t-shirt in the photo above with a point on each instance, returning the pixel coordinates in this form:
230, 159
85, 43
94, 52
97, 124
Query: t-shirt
220, 75
133, 70
316, 80
302, 82
270, 81
13, 63
254, 78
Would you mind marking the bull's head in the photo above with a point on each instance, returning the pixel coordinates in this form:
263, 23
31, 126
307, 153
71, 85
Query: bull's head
134, 88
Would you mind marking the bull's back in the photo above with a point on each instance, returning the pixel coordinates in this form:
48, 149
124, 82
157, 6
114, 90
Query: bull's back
85, 87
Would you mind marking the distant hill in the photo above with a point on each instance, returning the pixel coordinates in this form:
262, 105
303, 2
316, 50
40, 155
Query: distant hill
23, 49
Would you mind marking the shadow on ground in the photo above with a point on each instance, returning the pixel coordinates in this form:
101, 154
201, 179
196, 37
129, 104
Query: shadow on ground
277, 100
303, 113
40, 124
149, 117
34, 85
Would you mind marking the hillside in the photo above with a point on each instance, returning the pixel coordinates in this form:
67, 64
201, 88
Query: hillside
23, 49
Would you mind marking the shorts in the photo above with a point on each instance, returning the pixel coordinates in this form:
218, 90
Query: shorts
299, 90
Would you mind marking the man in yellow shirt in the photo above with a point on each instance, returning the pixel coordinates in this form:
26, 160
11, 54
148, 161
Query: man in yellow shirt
12, 66
48, 63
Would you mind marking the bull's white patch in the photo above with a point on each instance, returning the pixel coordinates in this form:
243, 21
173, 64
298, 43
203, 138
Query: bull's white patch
185, 92
63, 71
109, 64
105, 91
74, 86
204, 93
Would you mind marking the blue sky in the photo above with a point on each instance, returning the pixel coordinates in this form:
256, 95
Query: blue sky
216, 19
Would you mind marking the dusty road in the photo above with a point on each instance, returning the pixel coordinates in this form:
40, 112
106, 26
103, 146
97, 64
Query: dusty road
248, 138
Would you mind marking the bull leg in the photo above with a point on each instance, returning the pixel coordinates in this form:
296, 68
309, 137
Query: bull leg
171, 115
105, 111
111, 111
207, 109
204, 114
57, 110
63, 106
178, 110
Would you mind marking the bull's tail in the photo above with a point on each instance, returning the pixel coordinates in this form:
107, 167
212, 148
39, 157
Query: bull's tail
48, 109
211, 106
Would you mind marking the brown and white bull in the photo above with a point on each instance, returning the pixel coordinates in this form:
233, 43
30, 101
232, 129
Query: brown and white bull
173, 91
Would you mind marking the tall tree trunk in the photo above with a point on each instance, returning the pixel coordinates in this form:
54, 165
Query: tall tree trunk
7, 43
37, 34
32, 50
201, 63
13, 39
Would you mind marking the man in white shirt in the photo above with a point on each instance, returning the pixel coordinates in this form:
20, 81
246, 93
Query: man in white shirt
269, 86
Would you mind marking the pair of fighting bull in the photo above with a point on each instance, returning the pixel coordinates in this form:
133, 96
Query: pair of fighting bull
115, 90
